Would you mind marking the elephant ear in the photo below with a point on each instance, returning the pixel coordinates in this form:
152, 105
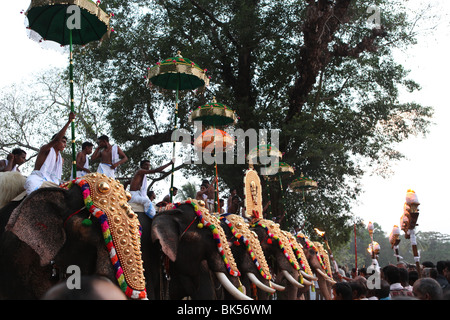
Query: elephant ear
165, 228
38, 222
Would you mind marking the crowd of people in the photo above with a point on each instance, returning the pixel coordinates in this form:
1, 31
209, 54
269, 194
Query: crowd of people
395, 282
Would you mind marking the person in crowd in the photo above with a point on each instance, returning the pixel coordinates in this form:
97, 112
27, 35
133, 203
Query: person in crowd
111, 156
383, 292
440, 278
413, 275
427, 289
404, 279
429, 273
359, 288
392, 275
13, 160
49, 162
342, 291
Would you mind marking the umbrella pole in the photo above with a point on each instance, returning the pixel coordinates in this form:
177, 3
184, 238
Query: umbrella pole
174, 144
72, 108
216, 181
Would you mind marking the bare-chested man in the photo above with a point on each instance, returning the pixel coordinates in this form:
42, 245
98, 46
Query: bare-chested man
111, 156
138, 187
13, 160
49, 162
83, 160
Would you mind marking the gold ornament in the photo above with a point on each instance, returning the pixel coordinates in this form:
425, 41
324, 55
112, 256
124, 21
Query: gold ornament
123, 224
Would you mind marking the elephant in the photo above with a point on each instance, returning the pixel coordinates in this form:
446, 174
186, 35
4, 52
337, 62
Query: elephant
249, 256
58, 231
277, 248
319, 262
193, 247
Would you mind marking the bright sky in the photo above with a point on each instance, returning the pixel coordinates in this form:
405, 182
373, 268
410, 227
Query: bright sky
425, 170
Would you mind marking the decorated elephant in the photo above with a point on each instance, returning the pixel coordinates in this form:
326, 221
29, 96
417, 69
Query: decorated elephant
195, 254
85, 225
319, 262
282, 253
291, 269
250, 258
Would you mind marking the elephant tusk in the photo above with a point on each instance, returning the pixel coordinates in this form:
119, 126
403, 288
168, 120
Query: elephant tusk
259, 284
291, 279
327, 277
306, 282
230, 287
308, 276
277, 286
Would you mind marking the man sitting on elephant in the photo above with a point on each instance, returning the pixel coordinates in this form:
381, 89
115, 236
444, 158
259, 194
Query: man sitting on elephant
138, 187
49, 162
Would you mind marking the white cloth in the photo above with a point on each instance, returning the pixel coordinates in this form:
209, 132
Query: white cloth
141, 197
13, 169
51, 171
210, 205
81, 173
106, 168
149, 209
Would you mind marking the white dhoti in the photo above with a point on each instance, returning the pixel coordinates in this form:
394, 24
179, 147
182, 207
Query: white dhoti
107, 170
36, 180
50, 173
210, 205
137, 197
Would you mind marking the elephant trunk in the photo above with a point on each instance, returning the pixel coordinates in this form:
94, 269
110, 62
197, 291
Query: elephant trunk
259, 284
291, 279
230, 287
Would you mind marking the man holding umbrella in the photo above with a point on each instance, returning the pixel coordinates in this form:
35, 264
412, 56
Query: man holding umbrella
49, 162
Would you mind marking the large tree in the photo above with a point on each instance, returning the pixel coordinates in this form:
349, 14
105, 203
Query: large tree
321, 72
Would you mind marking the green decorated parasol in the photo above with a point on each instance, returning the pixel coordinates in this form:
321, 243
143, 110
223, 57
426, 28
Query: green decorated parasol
177, 73
68, 22
303, 184
214, 114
